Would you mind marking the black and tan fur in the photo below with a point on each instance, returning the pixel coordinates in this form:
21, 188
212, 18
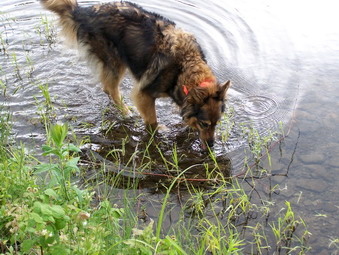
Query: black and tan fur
122, 36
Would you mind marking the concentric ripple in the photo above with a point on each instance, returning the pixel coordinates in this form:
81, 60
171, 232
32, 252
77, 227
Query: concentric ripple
257, 107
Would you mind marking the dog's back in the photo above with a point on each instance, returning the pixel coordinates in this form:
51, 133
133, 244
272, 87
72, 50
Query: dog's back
119, 31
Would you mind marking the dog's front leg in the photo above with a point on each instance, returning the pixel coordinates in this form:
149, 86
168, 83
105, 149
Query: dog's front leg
145, 104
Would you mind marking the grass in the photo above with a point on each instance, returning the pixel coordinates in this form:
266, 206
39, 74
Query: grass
50, 203
52, 214
46, 30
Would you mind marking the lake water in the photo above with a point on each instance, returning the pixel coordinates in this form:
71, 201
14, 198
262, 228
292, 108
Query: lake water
281, 56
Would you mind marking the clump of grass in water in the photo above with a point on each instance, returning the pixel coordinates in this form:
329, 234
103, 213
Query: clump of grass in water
227, 124
3, 43
259, 146
30, 65
3, 83
46, 31
284, 229
5, 22
16, 66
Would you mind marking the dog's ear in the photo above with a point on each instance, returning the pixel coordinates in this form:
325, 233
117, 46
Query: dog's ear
188, 112
192, 103
223, 89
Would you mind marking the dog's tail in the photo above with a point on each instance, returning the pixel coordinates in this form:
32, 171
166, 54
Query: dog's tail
64, 9
60, 7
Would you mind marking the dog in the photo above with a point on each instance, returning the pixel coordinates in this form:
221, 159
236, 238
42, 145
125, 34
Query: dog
164, 60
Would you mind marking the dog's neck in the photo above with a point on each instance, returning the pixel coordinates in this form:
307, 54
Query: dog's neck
196, 74
184, 48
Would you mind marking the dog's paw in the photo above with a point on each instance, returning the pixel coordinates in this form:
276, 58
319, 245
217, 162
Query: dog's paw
162, 128
127, 113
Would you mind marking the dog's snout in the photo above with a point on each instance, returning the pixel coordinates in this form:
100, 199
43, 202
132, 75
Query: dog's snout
207, 137
210, 143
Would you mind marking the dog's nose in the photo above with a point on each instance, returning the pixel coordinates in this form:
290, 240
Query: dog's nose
210, 143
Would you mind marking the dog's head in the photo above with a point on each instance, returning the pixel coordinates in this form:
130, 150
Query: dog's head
202, 109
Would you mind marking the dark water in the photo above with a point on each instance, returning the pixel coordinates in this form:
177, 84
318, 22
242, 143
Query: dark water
282, 58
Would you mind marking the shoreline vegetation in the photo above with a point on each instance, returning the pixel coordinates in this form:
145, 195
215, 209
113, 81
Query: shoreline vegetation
43, 210
49, 205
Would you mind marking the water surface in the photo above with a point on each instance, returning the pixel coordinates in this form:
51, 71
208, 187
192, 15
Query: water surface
281, 56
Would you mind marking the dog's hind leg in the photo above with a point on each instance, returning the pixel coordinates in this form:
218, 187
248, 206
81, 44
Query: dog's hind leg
110, 79
146, 107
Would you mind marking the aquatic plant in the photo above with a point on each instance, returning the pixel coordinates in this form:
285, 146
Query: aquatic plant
6, 23
46, 31
3, 43
16, 66
45, 107
3, 87
29, 63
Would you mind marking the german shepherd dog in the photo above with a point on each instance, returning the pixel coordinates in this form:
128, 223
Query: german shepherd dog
164, 60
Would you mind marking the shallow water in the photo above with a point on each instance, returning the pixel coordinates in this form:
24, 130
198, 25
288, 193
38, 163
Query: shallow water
281, 56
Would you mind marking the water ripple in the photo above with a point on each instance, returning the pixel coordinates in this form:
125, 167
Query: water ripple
257, 107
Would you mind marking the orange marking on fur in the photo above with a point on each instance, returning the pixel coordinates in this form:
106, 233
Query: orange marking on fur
185, 89
204, 84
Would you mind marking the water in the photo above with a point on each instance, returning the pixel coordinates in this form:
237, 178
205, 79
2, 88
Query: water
282, 58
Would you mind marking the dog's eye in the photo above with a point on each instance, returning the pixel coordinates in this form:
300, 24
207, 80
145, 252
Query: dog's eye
204, 124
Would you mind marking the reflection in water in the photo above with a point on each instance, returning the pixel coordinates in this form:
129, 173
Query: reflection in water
281, 56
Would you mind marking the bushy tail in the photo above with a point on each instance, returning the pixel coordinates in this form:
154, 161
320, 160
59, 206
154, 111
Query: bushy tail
64, 9
60, 7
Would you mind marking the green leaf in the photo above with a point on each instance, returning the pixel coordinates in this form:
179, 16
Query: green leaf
36, 217
37, 207
73, 162
46, 210
57, 176
60, 224
51, 193
49, 240
53, 182
72, 147
58, 134
27, 245
57, 211
48, 150
43, 210
32, 230
50, 218
117, 213
45, 168
59, 250
105, 204
79, 193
